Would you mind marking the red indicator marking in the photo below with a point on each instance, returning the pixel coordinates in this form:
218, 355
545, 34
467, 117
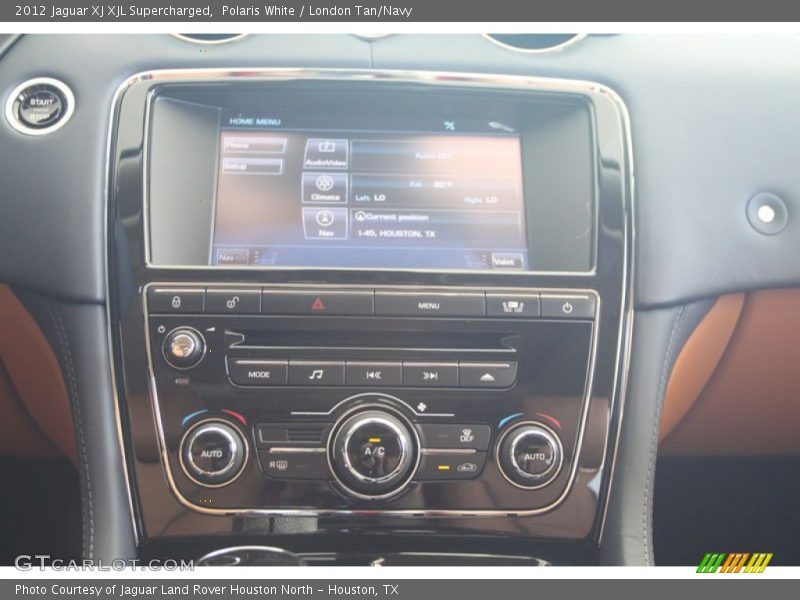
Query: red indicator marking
318, 304
553, 420
236, 415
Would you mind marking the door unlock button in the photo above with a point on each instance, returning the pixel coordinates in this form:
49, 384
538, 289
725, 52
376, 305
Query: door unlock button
230, 301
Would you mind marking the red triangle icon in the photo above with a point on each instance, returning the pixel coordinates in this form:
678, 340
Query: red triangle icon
318, 304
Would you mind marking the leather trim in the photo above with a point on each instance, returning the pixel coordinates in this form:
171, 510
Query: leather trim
34, 371
79, 337
19, 435
658, 337
749, 405
699, 359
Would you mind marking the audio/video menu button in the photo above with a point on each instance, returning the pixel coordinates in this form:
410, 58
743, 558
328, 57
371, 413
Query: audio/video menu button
306, 372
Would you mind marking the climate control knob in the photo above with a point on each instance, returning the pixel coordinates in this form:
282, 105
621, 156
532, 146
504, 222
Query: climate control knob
184, 348
530, 455
213, 453
374, 453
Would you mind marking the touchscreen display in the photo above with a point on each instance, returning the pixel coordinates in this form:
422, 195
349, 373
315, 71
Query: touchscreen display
377, 199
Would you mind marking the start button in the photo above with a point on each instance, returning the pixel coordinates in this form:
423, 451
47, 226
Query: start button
39, 106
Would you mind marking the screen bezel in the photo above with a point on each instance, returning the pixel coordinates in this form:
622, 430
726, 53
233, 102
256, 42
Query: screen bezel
546, 91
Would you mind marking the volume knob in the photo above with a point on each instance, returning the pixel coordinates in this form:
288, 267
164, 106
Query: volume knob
184, 347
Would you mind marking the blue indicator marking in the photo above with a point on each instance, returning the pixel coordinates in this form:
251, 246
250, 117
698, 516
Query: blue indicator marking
505, 420
191, 416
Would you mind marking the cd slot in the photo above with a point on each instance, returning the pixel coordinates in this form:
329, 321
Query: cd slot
271, 339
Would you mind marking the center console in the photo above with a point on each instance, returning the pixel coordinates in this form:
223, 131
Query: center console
361, 297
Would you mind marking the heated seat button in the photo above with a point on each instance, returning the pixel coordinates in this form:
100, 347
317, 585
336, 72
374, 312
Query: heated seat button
568, 306
487, 375
295, 463
430, 374
471, 437
233, 301
258, 372
519, 306
409, 304
303, 372
175, 300
446, 466
287, 302
374, 373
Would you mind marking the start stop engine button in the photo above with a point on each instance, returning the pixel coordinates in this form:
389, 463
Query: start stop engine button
39, 106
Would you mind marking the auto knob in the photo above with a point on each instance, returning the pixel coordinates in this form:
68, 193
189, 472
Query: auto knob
184, 347
374, 453
530, 455
213, 453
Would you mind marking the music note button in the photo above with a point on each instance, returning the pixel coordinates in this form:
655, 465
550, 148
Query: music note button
306, 372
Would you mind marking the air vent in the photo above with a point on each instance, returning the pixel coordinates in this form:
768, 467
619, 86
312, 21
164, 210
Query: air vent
535, 43
312, 433
209, 38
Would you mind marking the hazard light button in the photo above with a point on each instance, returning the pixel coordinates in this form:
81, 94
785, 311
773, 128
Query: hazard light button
340, 302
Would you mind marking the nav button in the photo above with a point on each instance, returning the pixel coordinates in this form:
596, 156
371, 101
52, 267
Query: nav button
258, 372
488, 375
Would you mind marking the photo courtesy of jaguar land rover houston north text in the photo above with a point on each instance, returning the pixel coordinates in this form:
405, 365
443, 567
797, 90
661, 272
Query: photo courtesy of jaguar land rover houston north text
410, 299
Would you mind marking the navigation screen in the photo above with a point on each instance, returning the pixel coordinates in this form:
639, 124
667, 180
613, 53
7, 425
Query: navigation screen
370, 199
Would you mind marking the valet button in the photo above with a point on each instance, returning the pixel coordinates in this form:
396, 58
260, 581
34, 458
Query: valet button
530, 455
184, 347
213, 453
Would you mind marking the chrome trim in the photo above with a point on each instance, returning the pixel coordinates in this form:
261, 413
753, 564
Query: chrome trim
234, 38
19, 126
627, 314
123, 455
296, 450
230, 549
546, 433
533, 51
414, 442
586, 88
193, 431
440, 451
433, 78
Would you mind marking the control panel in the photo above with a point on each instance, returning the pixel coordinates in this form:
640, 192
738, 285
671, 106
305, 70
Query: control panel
285, 399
